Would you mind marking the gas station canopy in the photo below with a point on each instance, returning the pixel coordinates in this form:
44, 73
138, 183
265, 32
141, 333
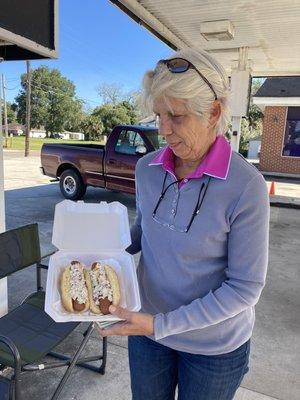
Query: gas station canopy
269, 30
28, 29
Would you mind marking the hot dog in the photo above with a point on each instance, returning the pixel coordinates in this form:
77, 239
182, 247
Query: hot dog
103, 288
74, 291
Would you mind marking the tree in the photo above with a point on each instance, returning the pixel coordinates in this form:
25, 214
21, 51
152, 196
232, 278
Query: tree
118, 107
255, 114
92, 127
53, 102
111, 93
77, 118
252, 125
131, 110
112, 115
11, 113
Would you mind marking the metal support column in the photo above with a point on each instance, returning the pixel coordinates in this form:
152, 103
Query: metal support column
3, 282
240, 90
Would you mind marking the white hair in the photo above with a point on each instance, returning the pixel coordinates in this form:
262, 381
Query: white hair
190, 86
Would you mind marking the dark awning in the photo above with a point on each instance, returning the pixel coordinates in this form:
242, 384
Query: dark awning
280, 87
28, 29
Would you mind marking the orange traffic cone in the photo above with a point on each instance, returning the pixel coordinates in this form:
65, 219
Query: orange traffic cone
272, 189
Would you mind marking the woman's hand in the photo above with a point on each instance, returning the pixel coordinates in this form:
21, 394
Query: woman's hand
135, 323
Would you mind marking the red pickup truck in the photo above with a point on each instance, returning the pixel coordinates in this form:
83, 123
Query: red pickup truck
111, 166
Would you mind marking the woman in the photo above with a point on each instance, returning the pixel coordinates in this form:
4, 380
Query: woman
202, 228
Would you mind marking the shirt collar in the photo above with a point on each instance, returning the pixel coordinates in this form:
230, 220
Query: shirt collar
216, 162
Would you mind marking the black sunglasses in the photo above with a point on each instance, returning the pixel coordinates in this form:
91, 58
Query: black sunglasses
198, 204
179, 65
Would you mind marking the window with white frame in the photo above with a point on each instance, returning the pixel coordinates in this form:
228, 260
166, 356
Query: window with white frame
291, 142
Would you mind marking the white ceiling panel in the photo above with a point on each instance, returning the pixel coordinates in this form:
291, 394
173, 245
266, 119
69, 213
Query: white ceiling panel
269, 28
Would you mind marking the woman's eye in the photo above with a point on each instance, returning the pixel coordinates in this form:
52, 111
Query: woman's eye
177, 116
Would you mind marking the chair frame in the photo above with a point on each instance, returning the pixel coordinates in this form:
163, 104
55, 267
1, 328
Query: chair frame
70, 362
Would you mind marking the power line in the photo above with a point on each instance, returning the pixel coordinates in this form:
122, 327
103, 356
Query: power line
14, 88
71, 36
49, 89
113, 55
12, 79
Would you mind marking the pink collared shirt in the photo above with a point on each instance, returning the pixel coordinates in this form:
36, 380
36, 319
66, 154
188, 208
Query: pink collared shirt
216, 162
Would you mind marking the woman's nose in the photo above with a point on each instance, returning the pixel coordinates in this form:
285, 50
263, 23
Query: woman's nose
165, 127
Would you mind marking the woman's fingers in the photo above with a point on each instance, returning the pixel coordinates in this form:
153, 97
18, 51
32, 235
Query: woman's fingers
115, 330
120, 312
134, 323
140, 324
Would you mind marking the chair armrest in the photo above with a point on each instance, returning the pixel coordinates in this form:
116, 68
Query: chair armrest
48, 254
14, 350
44, 266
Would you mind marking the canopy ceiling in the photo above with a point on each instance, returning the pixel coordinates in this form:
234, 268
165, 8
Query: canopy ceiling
269, 28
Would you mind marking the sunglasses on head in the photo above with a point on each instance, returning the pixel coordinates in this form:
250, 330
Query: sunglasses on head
179, 65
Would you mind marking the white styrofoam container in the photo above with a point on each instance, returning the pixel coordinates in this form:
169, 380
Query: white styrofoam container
89, 233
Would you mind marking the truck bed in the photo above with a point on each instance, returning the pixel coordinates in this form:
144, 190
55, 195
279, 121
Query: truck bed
86, 158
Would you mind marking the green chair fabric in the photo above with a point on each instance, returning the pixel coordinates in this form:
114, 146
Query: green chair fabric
19, 248
32, 330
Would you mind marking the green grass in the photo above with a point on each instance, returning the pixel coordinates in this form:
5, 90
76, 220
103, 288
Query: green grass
18, 142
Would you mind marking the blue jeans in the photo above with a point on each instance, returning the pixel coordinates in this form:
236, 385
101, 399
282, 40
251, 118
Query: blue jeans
156, 370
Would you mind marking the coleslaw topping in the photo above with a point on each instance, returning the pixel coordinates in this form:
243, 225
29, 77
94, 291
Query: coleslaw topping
78, 289
101, 285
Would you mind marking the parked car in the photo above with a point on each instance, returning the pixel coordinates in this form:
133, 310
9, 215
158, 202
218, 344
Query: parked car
57, 135
111, 166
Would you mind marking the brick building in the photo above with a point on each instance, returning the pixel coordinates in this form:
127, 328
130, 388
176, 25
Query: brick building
279, 99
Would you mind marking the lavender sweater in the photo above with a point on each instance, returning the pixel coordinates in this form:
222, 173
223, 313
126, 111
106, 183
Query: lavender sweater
202, 286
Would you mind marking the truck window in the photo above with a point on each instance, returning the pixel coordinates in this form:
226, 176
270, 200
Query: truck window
157, 140
128, 142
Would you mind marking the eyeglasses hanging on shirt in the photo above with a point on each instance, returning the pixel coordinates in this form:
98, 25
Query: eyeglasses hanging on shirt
203, 188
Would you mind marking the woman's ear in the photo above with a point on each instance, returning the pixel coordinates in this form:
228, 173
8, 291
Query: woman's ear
215, 113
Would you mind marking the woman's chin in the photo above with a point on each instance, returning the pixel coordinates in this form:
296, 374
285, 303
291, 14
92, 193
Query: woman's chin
180, 154
177, 150
177, 153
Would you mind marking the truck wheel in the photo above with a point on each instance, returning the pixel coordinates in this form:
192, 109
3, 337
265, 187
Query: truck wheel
71, 185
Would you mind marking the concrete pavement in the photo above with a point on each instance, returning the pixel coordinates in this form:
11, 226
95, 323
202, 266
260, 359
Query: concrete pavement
274, 362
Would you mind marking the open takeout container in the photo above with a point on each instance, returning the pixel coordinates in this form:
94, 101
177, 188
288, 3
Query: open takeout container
89, 232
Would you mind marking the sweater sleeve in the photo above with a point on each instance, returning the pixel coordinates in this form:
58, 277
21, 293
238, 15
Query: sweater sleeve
136, 229
245, 272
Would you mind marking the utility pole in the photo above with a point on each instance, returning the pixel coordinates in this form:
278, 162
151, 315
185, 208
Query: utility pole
5, 111
28, 107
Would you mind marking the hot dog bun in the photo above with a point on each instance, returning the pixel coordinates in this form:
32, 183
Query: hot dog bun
73, 288
103, 288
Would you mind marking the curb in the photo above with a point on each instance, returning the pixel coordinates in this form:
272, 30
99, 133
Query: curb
285, 205
285, 202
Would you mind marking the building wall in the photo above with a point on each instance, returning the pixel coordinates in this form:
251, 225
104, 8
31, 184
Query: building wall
271, 158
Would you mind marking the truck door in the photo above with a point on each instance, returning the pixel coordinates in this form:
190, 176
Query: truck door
120, 164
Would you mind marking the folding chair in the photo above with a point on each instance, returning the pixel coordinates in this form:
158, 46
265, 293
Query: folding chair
27, 333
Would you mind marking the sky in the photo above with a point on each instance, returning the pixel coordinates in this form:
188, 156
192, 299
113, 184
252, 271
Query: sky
98, 44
